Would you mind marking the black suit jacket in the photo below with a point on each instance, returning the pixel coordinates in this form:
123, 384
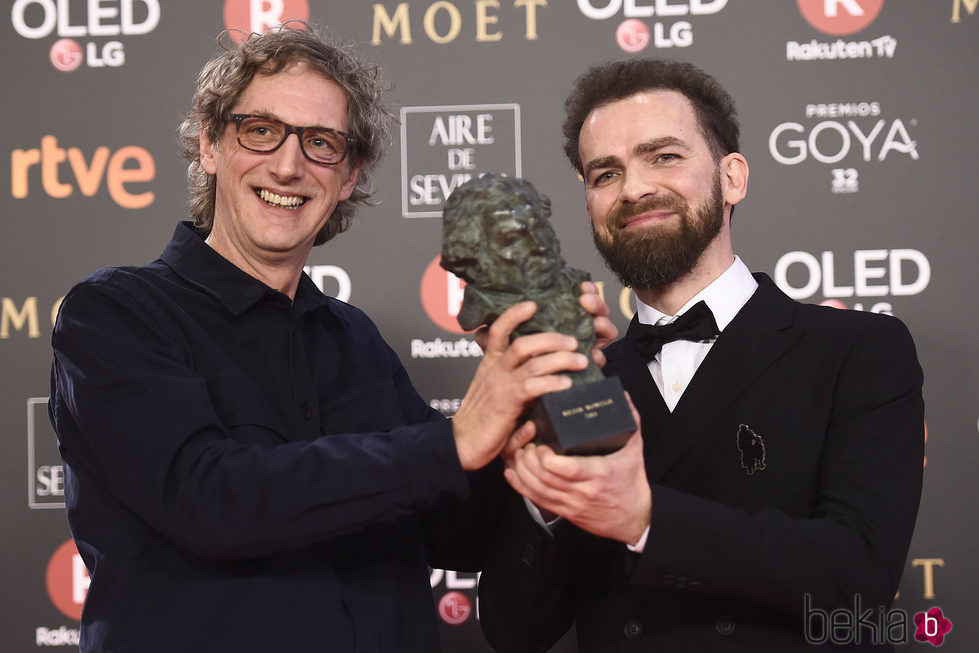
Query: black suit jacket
786, 482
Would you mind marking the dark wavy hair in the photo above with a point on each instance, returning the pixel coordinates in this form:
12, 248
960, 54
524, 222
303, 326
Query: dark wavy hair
224, 78
617, 80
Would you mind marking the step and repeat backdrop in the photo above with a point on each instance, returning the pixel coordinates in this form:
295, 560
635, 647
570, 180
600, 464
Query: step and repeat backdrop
859, 124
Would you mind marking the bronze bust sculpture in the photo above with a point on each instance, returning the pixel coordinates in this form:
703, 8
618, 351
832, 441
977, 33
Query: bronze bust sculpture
497, 236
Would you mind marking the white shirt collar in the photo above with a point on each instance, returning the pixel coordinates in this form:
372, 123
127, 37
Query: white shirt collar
724, 296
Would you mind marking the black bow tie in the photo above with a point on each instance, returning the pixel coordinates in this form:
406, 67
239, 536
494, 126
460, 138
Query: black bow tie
696, 324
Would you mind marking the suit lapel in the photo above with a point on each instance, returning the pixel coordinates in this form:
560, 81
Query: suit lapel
625, 361
760, 333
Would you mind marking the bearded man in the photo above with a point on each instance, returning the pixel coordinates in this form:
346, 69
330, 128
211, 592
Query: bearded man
778, 470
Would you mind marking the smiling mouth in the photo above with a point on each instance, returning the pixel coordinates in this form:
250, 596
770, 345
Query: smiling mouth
281, 201
646, 218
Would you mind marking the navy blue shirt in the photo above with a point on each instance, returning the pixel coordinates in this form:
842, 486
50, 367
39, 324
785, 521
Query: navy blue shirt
244, 472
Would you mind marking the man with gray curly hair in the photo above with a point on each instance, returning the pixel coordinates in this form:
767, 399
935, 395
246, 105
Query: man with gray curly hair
247, 465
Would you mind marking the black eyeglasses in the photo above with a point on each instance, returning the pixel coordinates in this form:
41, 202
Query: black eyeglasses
264, 134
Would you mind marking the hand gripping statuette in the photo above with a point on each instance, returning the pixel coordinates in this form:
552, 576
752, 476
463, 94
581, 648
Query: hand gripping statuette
496, 235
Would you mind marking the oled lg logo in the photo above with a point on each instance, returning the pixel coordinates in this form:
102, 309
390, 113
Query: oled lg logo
843, 131
874, 273
633, 35
244, 17
840, 18
455, 606
39, 19
332, 280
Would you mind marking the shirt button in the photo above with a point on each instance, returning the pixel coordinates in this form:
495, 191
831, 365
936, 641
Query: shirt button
725, 625
677, 386
632, 629
305, 410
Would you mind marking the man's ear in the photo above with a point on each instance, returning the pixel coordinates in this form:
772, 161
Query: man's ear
734, 178
347, 188
208, 149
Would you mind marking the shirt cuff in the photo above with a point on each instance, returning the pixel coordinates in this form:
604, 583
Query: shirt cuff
639, 546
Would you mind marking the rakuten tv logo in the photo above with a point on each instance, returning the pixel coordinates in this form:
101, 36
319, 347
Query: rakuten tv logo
840, 17
67, 580
441, 295
90, 22
243, 17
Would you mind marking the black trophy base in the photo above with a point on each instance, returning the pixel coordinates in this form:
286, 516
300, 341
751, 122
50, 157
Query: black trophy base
589, 419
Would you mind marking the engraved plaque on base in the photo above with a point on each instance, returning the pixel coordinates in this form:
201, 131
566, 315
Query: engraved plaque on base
589, 419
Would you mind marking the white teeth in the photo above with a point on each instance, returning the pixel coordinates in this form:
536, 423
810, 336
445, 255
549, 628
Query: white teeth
289, 202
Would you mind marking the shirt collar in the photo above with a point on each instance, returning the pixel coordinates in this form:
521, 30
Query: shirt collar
724, 296
190, 257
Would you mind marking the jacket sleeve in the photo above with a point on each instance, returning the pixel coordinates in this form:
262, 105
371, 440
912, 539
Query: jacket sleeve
136, 423
526, 589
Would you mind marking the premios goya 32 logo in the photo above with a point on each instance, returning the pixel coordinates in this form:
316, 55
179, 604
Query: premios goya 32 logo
87, 32
843, 134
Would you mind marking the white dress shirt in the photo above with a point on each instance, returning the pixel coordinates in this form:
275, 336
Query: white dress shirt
674, 366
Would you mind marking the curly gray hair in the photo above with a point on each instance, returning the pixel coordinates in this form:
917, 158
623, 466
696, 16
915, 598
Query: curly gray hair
224, 78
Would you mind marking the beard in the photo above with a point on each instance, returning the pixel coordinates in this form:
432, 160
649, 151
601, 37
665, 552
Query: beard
660, 255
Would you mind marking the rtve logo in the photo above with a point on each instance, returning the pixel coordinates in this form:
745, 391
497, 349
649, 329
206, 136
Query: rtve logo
126, 166
243, 17
38, 19
840, 17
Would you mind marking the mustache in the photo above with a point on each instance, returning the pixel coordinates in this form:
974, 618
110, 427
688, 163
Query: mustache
621, 214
